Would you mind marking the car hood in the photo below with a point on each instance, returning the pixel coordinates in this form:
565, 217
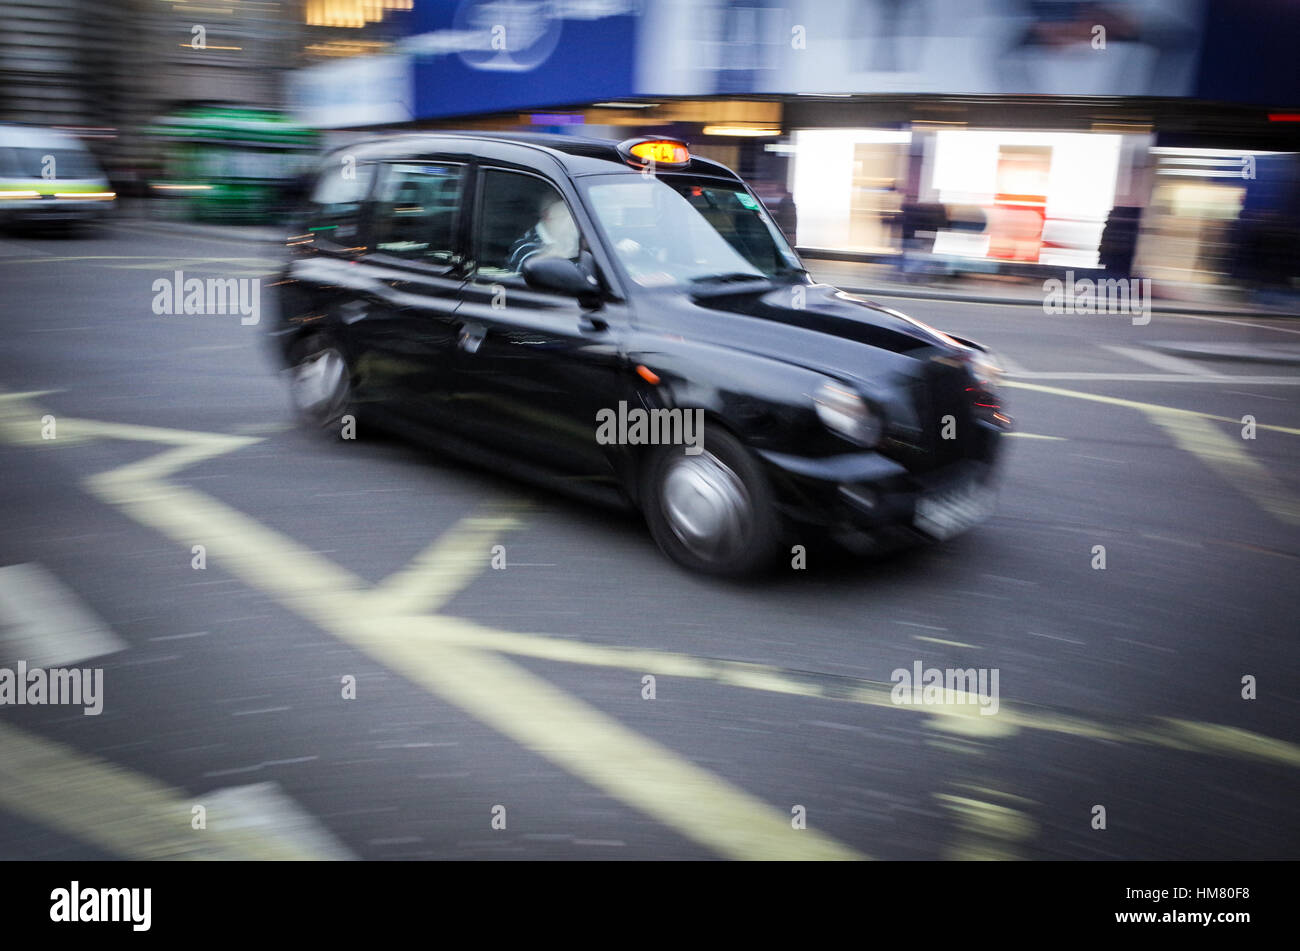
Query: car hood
813, 325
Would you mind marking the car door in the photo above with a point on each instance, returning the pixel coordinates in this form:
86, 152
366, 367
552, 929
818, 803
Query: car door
533, 367
413, 273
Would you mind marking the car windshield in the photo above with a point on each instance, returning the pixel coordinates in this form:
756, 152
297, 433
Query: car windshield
54, 163
677, 230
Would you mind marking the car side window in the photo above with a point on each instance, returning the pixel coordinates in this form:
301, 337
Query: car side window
334, 208
417, 209
521, 216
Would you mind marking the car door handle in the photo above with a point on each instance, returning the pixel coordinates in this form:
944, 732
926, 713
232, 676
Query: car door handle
471, 337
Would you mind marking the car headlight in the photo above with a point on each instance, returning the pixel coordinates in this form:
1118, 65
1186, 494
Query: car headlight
847, 414
987, 368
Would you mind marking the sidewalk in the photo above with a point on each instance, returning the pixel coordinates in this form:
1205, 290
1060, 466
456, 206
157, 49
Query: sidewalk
882, 280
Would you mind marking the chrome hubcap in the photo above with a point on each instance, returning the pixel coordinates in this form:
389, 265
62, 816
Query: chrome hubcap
706, 505
320, 385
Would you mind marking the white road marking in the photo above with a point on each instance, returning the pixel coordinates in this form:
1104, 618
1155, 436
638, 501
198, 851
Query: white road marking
1162, 361
137, 817
264, 809
43, 622
1239, 323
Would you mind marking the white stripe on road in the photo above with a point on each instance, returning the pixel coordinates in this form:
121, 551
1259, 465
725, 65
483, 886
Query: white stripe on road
43, 622
1162, 361
134, 816
268, 812
1240, 323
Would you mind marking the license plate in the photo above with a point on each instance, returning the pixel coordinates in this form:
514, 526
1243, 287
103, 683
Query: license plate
951, 512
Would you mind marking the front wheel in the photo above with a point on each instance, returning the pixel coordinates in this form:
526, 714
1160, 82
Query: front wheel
712, 512
320, 384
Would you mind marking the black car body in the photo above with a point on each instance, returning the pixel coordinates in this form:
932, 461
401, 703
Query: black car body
407, 305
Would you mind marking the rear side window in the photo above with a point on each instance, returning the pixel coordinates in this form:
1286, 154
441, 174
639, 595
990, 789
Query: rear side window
417, 210
521, 216
334, 209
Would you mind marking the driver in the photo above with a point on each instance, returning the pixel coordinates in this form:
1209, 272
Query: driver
554, 236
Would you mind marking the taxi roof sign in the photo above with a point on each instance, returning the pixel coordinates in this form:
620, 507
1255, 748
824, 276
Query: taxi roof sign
655, 151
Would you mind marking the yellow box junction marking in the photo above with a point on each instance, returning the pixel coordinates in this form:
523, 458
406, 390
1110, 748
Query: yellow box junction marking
457, 659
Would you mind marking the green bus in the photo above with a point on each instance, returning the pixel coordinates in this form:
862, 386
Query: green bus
231, 163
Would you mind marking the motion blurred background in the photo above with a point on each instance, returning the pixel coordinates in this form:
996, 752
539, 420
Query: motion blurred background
991, 140
948, 156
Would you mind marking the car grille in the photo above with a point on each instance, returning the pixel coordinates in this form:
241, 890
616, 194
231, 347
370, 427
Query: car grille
943, 390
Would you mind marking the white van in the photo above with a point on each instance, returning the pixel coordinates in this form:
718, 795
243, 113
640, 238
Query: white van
47, 176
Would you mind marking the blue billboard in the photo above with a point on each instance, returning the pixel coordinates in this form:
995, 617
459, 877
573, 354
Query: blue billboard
481, 56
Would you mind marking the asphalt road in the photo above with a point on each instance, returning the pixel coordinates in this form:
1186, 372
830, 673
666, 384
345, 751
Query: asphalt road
501, 713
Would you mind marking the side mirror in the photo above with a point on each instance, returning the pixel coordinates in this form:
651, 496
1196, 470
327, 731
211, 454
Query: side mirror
562, 276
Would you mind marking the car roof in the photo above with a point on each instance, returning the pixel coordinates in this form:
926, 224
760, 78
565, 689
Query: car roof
16, 135
577, 155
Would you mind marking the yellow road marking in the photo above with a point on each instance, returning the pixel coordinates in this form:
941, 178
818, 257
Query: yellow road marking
442, 570
1134, 404
21, 425
961, 716
124, 812
526, 708
9, 397
596, 748
448, 656
996, 793
1193, 433
1228, 457
986, 831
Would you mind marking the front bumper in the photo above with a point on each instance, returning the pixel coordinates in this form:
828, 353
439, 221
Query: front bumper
866, 494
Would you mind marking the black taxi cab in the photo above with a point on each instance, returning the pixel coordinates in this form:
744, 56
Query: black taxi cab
624, 321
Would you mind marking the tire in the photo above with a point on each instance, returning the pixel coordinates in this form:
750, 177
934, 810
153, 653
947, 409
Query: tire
320, 384
713, 512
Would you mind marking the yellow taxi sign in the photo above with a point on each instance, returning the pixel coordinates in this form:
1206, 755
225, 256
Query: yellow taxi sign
657, 151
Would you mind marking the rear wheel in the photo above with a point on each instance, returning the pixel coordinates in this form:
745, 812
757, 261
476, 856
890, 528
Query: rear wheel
320, 384
712, 512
